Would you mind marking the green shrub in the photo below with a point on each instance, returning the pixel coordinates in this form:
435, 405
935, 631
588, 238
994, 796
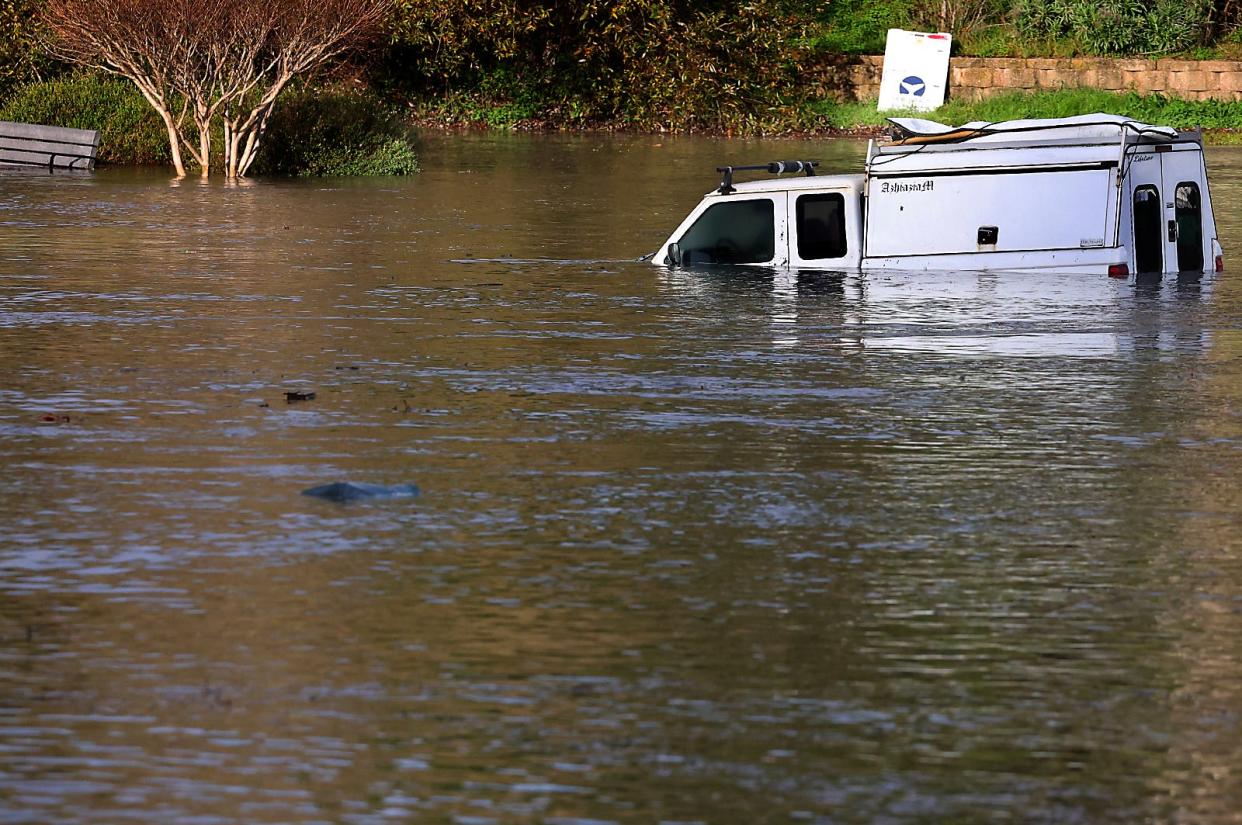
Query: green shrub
500, 100
726, 65
1119, 26
130, 130
861, 26
335, 133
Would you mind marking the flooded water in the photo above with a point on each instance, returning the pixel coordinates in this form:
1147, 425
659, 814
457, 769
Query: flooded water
690, 548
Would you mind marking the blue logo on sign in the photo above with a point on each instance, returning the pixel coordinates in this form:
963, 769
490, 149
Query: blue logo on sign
912, 85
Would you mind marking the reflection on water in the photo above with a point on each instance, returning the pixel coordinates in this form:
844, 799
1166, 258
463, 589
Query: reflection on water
712, 546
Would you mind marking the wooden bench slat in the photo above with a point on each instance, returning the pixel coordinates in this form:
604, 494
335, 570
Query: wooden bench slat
10, 158
57, 133
45, 147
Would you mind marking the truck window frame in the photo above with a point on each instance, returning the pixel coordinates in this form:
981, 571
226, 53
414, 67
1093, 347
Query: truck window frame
1148, 229
1189, 219
810, 245
761, 249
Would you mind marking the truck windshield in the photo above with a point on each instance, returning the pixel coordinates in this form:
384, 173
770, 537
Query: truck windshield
733, 232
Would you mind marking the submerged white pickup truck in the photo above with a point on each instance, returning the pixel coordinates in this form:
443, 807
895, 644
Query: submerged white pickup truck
1096, 194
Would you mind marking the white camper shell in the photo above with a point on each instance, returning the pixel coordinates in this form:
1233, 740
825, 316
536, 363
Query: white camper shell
1096, 194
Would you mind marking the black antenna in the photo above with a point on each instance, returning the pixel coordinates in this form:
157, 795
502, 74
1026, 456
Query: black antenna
776, 167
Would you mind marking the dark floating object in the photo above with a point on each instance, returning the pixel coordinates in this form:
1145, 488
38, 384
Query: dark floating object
292, 396
343, 491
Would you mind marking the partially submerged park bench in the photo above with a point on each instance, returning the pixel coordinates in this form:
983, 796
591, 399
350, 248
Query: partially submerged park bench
49, 147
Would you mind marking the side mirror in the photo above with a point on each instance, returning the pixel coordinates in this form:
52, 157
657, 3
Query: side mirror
674, 255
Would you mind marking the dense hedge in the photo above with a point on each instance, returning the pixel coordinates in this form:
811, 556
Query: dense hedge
339, 132
1036, 27
650, 64
1119, 26
731, 65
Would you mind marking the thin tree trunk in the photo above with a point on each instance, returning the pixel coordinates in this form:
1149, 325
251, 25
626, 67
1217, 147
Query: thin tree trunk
247, 158
227, 142
253, 140
202, 120
174, 143
174, 134
234, 150
204, 150
255, 123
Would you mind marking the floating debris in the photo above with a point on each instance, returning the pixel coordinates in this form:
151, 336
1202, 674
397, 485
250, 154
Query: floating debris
294, 396
343, 491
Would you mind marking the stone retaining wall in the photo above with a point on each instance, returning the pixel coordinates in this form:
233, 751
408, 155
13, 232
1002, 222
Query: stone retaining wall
973, 78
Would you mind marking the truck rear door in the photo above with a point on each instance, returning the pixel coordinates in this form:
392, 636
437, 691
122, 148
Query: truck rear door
1186, 210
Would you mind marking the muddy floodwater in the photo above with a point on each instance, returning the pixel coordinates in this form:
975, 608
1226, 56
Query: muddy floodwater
707, 547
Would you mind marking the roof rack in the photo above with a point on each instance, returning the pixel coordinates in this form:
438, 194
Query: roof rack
776, 167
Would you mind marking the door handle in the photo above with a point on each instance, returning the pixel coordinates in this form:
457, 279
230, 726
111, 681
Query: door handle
1172, 231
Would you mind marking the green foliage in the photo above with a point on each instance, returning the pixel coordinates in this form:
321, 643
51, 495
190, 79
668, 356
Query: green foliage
21, 59
854, 115
650, 64
861, 26
499, 101
1118, 26
1051, 28
1002, 40
335, 133
130, 131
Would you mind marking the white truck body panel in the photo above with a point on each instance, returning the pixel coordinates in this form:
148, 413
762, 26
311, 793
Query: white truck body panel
940, 214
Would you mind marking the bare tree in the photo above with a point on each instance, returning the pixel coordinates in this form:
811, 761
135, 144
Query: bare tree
203, 62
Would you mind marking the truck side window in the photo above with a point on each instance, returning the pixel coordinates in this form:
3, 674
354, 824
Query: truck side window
733, 232
1187, 209
821, 226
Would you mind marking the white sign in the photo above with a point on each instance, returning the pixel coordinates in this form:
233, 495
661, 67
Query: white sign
916, 70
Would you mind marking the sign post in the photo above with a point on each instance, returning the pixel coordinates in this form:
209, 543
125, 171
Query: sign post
916, 70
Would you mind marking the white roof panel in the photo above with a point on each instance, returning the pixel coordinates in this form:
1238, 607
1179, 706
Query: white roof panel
1082, 127
960, 157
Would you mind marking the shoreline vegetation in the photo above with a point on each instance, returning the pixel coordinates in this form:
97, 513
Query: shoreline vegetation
349, 130
1221, 121
721, 68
